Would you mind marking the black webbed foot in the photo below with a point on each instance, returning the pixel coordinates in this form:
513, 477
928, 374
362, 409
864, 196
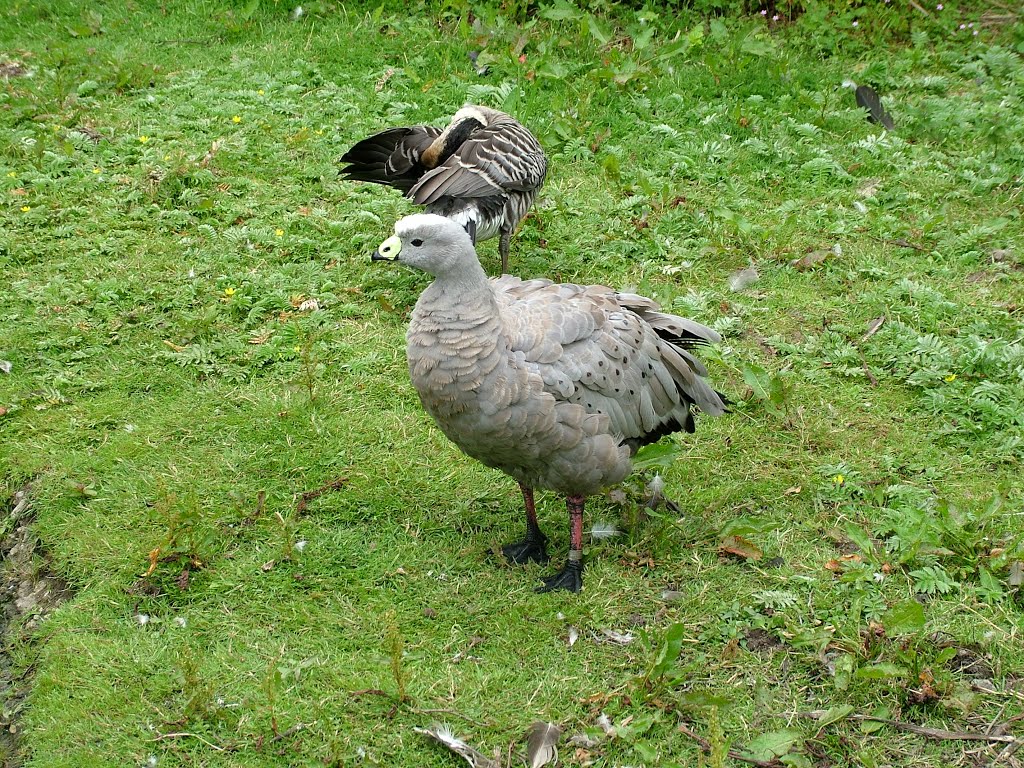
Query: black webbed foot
569, 578
530, 548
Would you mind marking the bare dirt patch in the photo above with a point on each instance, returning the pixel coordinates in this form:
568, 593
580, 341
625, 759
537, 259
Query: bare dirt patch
30, 592
9, 69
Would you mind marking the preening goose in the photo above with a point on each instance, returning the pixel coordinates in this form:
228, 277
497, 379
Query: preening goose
483, 171
556, 385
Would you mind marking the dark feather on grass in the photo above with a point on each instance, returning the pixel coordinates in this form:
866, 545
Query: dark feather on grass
869, 100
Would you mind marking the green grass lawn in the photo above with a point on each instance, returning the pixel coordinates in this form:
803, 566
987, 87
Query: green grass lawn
851, 535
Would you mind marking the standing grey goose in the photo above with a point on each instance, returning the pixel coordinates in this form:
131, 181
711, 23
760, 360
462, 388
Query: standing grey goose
556, 385
484, 170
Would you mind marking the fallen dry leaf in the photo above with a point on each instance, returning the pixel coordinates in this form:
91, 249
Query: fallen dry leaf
210, 153
809, 260
383, 79
838, 563
154, 557
740, 547
791, 491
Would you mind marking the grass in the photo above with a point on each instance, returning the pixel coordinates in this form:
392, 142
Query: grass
170, 200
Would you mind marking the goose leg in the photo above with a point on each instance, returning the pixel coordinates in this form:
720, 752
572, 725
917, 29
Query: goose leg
503, 247
571, 577
534, 546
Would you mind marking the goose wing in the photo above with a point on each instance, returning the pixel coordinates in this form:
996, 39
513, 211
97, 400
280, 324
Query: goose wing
500, 158
610, 354
390, 157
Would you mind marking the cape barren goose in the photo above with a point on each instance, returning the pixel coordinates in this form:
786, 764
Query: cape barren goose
483, 171
556, 385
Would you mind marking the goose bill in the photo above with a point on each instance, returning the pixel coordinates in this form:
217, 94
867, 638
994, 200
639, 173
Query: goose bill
388, 250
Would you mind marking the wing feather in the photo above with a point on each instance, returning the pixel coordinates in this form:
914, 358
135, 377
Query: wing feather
499, 158
609, 353
391, 157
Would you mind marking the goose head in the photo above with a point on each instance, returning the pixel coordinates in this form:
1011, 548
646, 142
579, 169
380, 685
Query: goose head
432, 244
464, 123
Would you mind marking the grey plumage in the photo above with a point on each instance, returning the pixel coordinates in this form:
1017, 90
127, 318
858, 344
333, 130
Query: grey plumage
484, 170
557, 385
542, 744
442, 734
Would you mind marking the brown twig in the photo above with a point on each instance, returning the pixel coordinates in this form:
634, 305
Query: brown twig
1006, 753
370, 692
285, 734
899, 242
867, 371
932, 733
1004, 727
308, 496
706, 746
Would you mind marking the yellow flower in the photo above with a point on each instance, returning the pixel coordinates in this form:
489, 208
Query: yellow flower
236, 119
279, 232
297, 348
951, 377
25, 209
95, 170
143, 139
12, 174
229, 291
166, 158
260, 91
839, 479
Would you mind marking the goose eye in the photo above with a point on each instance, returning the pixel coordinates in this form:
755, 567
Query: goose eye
417, 242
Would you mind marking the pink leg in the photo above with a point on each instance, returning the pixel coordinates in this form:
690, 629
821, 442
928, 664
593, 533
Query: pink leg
534, 546
571, 577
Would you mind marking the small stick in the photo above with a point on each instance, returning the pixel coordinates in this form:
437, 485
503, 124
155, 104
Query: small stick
706, 746
308, 496
931, 733
285, 734
371, 691
867, 371
1006, 752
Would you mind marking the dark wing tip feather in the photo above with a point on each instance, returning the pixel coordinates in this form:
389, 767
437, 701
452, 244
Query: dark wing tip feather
868, 99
